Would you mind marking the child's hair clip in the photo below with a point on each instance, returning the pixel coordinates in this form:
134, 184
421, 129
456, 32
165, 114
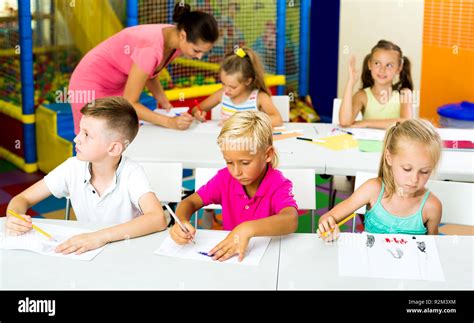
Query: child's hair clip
240, 52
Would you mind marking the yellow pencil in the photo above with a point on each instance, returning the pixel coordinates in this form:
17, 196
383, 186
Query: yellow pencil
11, 212
325, 233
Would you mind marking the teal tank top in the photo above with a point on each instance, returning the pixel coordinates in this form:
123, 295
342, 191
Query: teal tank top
378, 220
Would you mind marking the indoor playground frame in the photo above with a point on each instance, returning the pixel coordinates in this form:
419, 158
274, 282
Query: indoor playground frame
19, 142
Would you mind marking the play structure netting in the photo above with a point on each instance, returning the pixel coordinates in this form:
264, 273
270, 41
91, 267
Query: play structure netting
241, 23
41, 42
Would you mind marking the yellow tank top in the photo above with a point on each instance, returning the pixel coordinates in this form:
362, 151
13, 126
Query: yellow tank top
377, 110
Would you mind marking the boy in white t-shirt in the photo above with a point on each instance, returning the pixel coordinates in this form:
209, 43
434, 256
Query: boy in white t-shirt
103, 185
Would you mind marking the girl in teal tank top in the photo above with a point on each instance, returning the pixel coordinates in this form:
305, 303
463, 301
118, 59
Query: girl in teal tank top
398, 200
379, 220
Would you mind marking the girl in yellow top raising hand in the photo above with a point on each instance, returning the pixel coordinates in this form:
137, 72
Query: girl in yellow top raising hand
382, 99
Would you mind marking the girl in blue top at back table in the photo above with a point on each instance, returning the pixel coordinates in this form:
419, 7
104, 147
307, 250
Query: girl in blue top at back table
243, 88
386, 93
397, 200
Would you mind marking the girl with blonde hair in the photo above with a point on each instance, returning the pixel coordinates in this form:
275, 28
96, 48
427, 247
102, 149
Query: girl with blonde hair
397, 200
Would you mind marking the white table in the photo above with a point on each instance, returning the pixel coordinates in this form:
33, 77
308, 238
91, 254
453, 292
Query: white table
131, 265
307, 263
193, 150
294, 262
454, 165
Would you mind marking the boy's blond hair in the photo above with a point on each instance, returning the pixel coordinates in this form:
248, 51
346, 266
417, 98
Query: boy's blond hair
412, 130
118, 113
249, 130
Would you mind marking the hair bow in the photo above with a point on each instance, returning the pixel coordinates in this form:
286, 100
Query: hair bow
240, 52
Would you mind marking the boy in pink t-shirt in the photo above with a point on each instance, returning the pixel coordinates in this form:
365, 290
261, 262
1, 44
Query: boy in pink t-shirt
127, 62
256, 199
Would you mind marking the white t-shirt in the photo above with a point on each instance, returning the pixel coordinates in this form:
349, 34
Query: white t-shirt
117, 204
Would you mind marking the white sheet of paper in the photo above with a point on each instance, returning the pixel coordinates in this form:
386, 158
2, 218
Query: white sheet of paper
211, 127
445, 133
36, 242
392, 256
367, 134
172, 113
208, 239
456, 134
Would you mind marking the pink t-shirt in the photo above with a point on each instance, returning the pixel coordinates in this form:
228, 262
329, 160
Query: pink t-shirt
104, 69
274, 194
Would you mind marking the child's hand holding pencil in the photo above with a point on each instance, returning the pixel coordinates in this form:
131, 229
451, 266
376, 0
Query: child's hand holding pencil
180, 236
17, 225
328, 228
182, 232
197, 112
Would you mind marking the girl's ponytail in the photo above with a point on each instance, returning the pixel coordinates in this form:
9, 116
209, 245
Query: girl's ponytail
385, 170
405, 76
259, 79
366, 77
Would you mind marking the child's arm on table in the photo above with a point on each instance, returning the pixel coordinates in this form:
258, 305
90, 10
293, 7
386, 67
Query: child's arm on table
152, 220
206, 105
285, 222
364, 195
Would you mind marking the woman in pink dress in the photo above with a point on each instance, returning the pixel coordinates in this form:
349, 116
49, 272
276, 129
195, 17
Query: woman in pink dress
129, 61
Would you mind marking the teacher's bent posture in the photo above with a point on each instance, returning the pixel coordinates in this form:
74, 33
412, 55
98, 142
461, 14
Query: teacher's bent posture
129, 61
